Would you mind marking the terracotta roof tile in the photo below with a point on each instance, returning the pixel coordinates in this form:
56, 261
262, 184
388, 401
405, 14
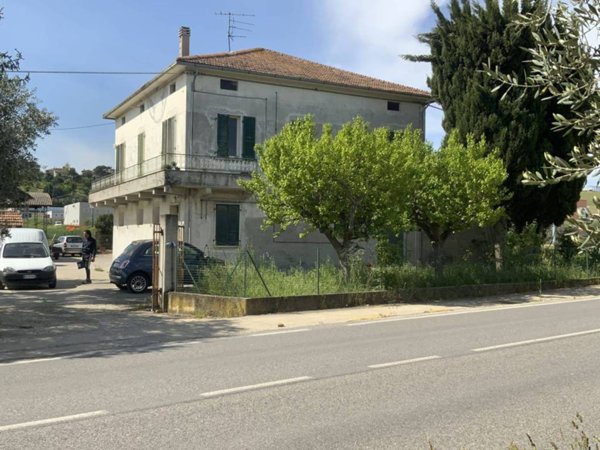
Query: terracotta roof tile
271, 63
10, 219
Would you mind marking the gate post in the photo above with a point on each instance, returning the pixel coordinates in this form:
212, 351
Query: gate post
168, 257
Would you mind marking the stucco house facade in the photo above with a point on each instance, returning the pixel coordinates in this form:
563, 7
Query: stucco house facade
184, 138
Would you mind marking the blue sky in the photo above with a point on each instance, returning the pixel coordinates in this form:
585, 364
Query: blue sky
136, 35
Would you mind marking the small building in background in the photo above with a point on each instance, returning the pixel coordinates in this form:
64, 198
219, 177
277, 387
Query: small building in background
82, 213
36, 206
55, 214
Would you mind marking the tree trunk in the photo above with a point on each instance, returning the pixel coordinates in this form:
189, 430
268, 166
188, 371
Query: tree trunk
437, 257
342, 249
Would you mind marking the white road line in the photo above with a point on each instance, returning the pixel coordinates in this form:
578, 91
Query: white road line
406, 361
272, 333
483, 309
532, 341
36, 423
255, 386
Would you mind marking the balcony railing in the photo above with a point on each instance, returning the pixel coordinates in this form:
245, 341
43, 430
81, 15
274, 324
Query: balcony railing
176, 161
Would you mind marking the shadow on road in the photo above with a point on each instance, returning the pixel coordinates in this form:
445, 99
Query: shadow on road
91, 320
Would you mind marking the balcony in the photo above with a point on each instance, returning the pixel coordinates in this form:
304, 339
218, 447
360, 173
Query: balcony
172, 171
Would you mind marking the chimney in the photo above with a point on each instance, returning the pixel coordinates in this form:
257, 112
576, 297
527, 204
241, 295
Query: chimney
184, 41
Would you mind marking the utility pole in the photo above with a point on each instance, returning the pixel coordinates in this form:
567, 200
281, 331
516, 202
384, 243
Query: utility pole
232, 26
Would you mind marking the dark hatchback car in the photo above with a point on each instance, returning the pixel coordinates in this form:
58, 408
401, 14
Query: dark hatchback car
132, 269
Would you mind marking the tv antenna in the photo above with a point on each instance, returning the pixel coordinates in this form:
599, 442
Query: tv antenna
233, 28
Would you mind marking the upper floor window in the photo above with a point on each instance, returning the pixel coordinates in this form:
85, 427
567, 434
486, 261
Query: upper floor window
120, 157
123, 120
142, 108
393, 106
236, 136
168, 136
230, 85
172, 88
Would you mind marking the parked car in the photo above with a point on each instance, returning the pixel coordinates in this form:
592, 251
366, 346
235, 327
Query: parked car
25, 259
132, 269
67, 245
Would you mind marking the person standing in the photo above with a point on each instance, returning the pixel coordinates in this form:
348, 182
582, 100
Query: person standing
88, 254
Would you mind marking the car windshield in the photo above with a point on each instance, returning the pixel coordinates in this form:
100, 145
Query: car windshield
25, 250
74, 239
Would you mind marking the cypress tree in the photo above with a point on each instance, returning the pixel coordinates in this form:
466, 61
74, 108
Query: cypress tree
520, 124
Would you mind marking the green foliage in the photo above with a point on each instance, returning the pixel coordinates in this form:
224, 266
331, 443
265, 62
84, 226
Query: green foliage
349, 186
457, 188
565, 243
461, 44
389, 249
22, 122
522, 247
65, 185
241, 279
104, 230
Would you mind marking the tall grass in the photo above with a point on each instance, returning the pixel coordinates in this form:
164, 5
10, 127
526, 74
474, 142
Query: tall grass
242, 279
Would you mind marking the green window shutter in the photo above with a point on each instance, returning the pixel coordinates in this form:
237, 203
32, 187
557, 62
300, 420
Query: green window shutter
227, 225
222, 135
249, 137
234, 225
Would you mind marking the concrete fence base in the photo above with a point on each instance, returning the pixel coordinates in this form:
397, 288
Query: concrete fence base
216, 306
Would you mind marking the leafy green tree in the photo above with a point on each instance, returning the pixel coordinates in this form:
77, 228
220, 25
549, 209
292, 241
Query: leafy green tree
349, 186
22, 122
457, 188
520, 126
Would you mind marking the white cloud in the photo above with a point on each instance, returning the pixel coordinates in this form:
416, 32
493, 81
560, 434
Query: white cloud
370, 37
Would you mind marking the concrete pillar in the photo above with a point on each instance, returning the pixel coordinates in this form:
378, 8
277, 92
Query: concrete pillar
168, 257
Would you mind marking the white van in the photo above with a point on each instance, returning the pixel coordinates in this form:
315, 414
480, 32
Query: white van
25, 259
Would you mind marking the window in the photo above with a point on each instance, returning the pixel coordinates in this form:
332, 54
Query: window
227, 225
141, 150
120, 157
123, 120
228, 136
142, 108
172, 88
168, 136
393, 106
229, 85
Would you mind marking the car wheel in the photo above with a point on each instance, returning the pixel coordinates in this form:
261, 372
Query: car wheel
52, 284
137, 283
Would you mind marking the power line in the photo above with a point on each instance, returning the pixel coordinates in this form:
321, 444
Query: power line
84, 72
82, 127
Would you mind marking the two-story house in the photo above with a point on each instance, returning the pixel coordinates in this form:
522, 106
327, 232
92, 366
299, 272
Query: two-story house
184, 138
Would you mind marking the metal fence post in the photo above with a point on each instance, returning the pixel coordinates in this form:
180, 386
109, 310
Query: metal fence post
245, 274
318, 271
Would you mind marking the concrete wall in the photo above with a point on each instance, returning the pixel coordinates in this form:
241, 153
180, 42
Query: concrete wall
196, 104
210, 305
80, 214
274, 106
158, 107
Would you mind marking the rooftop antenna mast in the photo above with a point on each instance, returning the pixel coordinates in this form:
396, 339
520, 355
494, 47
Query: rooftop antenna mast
233, 28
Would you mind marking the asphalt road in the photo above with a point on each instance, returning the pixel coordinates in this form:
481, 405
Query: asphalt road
473, 380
